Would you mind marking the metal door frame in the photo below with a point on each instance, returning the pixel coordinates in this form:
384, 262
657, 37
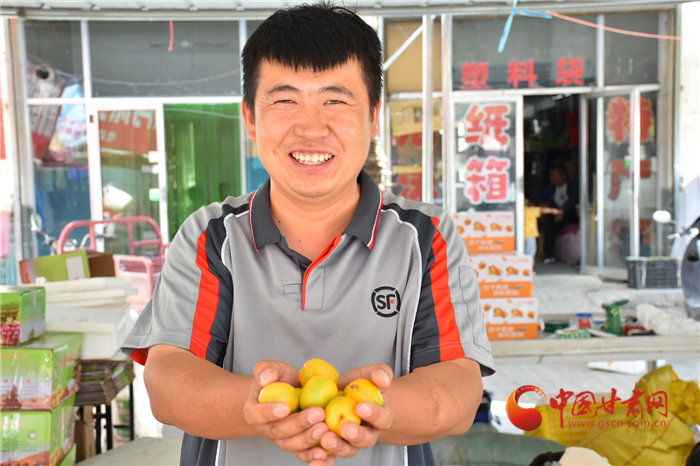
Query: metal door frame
633, 93
92, 110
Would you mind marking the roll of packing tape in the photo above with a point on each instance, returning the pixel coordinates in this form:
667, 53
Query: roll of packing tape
572, 333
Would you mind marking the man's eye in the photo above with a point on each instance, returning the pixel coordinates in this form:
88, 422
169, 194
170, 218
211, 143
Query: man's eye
334, 102
285, 101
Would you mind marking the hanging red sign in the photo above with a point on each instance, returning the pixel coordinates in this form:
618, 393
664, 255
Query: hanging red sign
128, 130
488, 180
618, 123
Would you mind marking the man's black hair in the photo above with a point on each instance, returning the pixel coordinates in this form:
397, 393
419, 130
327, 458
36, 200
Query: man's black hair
318, 37
560, 167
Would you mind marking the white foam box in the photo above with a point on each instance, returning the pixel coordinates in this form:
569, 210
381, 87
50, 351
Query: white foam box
503, 275
510, 318
103, 328
492, 231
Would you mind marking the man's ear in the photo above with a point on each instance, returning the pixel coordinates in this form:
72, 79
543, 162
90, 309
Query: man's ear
375, 119
248, 119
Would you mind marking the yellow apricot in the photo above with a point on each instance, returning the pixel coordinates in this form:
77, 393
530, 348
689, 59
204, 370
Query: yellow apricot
314, 367
318, 391
340, 410
364, 390
280, 391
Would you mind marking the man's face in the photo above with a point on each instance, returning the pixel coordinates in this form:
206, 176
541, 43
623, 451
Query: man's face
313, 129
557, 177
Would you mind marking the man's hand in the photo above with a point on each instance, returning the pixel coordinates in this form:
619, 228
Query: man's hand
296, 433
374, 418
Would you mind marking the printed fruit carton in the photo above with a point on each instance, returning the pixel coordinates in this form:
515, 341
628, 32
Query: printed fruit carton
492, 231
510, 318
40, 375
38, 437
503, 275
22, 313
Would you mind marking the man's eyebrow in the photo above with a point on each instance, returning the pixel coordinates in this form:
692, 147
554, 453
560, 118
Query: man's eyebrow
338, 90
282, 88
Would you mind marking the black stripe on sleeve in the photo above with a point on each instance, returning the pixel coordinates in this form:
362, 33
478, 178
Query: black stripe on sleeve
197, 451
220, 329
425, 342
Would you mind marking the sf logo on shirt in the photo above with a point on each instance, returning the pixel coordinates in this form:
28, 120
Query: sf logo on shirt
386, 301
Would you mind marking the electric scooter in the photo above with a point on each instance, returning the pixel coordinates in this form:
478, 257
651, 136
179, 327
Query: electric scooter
690, 263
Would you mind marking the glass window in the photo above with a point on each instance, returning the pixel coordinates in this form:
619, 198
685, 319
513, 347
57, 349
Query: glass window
203, 157
538, 53
485, 158
160, 58
630, 59
407, 149
61, 167
54, 60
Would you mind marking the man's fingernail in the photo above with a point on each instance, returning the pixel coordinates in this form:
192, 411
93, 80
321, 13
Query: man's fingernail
318, 433
333, 444
351, 433
315, 416
385, 375
364, 411
265, 376
281, 411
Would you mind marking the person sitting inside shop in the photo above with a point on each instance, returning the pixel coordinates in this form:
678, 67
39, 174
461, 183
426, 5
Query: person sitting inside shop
562, 193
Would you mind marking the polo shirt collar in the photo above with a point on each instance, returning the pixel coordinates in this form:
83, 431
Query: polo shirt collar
363, 224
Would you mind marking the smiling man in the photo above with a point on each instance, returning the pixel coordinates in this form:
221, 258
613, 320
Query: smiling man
317, 263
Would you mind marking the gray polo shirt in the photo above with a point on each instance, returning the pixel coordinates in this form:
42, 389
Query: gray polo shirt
395, 287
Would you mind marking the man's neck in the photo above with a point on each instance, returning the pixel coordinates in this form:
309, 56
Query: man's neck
309, 225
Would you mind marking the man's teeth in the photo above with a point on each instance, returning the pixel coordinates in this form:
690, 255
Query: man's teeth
311, 159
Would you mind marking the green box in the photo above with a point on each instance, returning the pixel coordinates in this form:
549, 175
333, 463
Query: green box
38, 437
68, 266
40, 375
22, 314
69, 459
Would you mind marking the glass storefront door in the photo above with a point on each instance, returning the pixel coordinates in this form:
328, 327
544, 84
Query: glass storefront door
618, 179
131, 178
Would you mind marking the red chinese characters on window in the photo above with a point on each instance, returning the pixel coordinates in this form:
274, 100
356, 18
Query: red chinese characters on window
487, 125
619, 119
475, 76
521, 72
488, 180
569, 71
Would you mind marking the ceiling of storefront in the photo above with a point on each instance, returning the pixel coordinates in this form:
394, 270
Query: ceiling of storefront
144, 8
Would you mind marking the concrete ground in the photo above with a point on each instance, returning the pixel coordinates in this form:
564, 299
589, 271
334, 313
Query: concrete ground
560, 289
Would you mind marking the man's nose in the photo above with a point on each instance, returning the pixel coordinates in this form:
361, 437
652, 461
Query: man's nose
311, 123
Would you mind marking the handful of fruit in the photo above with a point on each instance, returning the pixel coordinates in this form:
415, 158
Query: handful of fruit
319, 387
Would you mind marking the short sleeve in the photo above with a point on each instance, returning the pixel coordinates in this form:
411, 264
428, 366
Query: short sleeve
192, 302
449, 321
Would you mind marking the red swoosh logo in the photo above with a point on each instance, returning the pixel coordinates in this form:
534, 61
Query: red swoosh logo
523, 418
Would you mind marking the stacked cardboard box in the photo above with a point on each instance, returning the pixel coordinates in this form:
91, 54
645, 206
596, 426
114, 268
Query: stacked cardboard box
40, 377
505, 278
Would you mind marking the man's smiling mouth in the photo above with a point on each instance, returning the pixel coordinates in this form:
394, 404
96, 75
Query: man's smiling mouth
311, 159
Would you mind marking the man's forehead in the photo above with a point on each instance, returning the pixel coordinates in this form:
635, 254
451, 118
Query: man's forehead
304, 68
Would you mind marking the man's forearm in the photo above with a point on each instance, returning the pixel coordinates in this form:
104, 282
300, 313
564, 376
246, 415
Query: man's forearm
434, 402
198, 397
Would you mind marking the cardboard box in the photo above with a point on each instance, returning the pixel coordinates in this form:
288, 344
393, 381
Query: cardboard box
38, 437
40, 375
492, 231
503, 275
69, 459
510, 318
22, 312
74, 265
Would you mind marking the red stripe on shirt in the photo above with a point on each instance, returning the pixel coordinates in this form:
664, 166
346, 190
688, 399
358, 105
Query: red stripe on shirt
139, 356
450, 342
207, 301
325, 253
